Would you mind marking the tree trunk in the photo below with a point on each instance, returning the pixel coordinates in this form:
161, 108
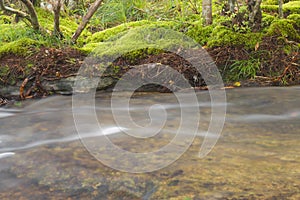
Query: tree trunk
86, 19
36, 3
207, 11
33, 16
56, 11
231, 5
280, 11
254, 14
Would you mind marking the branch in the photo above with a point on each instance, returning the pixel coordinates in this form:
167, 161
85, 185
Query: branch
86, 19
254, 11
33, 16
13, 11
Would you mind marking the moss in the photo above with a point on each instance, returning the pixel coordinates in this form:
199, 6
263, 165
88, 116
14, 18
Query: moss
104, 35
292, 7
4, 19
284, 28
88, 48
200, 33
138, 42
19, 47
295, 18
45, 18
270, 2
269, 8
68, 25
267, 20
222, 36
12, 32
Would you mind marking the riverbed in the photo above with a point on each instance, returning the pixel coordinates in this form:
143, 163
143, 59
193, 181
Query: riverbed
257, 155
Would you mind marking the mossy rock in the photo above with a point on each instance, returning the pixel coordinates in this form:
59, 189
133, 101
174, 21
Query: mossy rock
106, 34
133, 42
19, 47
222, 36
284, 28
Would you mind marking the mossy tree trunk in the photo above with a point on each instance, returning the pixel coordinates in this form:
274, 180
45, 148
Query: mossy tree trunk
207, 12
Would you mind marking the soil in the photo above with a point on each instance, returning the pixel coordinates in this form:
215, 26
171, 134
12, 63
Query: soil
277, 67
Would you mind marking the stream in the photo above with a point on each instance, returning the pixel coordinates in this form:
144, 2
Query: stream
257, 156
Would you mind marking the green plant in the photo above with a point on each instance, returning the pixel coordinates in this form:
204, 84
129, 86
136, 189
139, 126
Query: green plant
115, 12
242, 69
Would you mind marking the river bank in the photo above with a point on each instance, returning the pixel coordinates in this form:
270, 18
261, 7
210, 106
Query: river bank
35, 64
48, 71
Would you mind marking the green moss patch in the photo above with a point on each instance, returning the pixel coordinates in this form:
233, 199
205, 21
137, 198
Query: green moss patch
19, 47
221, 36
104, 35
284, 28
132, 41
295, 18
292, 7
200, 33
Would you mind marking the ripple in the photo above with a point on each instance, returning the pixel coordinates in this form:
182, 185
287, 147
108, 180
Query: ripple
6, 154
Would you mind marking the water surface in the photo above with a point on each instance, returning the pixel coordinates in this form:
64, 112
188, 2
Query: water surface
256, 157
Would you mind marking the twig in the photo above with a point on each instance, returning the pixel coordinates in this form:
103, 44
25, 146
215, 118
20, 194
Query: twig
14, 11
22, 88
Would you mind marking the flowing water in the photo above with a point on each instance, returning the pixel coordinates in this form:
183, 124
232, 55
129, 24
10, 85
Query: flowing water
257, 156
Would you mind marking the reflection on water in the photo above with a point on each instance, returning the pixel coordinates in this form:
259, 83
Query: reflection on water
257, 156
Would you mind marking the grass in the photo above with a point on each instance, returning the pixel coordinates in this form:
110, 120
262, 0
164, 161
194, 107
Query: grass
244, 69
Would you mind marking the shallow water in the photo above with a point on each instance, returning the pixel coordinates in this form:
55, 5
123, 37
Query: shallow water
257, 156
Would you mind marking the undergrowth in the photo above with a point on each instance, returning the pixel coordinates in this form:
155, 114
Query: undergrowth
112, 29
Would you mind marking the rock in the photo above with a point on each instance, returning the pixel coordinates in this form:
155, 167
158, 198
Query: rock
65, 85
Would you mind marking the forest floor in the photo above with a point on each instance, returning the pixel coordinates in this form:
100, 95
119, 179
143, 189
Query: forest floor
57, 63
